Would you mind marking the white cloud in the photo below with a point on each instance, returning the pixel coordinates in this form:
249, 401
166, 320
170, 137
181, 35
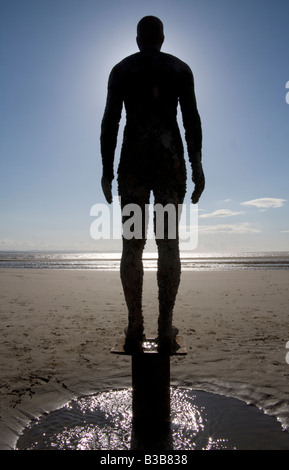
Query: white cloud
228, 228
284, 231
220, 213
265, 203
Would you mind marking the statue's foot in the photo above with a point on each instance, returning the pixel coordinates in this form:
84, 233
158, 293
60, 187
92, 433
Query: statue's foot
134, 338
167, 343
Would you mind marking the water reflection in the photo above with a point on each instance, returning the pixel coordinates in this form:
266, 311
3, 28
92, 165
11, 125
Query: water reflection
199, 420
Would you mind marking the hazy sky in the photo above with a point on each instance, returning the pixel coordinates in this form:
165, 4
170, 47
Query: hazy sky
55, 58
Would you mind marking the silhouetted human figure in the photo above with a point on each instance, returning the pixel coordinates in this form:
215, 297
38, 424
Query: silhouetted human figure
150, 84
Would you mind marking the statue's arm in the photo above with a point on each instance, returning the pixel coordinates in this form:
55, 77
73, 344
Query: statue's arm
193, 131
109, 132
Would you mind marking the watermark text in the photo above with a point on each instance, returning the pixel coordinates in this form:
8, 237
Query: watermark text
168, 222
287, 94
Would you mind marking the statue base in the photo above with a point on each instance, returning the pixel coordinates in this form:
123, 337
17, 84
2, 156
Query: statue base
150, 382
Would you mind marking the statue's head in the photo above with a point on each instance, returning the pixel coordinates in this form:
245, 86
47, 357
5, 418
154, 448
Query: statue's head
150, 33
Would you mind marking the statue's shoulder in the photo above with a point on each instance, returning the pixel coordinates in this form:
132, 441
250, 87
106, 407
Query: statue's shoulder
176, 63
127, 62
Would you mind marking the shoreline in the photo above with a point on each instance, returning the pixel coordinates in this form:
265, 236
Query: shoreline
111, 261
58, 327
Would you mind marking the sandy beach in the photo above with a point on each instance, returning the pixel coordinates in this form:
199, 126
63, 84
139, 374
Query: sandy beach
57, 328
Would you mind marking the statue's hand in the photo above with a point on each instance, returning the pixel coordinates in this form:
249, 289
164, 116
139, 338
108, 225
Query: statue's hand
107, 189
197, 194
199, 180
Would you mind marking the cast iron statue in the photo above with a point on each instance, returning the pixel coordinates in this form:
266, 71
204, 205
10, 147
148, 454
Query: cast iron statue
151, 84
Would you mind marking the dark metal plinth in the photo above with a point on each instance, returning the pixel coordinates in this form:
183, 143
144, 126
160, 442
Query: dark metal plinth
150, 381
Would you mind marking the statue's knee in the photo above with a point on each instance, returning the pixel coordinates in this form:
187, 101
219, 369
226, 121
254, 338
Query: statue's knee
134, 245
169, 248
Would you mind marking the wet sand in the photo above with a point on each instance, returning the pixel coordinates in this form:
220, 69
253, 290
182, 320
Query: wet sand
57, 328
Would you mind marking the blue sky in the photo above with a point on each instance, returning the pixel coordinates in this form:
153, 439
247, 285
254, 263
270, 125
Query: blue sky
55, 57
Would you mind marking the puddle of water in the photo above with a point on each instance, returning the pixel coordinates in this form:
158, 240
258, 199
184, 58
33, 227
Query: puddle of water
199, 421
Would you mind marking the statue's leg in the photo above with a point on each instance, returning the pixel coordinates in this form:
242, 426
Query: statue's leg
131, 267
168, 275
169, 264
131, 273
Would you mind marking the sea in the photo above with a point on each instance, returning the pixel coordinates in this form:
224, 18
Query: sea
111, 261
